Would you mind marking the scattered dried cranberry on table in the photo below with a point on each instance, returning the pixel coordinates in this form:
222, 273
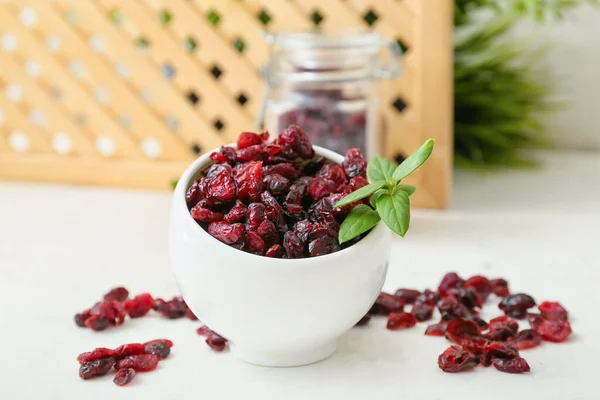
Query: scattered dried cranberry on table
117, 305
276, 199
476, 342
126, 359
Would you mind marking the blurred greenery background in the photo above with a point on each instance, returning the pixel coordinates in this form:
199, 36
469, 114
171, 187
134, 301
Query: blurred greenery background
502, 91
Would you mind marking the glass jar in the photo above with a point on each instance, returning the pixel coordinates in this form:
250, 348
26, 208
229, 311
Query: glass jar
326, 84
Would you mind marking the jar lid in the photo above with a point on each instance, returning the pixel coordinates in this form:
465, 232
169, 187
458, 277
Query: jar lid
338, 56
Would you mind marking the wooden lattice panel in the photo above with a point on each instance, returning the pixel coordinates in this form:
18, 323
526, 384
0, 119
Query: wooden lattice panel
128, 92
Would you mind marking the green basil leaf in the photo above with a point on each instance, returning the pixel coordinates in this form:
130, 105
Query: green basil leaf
380, 169
361, 193
414, 161
361, 219
375, 195
395, 211
410, 190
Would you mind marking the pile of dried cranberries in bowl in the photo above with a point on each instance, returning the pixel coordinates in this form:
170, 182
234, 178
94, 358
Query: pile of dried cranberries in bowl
276, 198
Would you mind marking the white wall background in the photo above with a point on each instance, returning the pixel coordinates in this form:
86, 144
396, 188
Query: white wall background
574, 62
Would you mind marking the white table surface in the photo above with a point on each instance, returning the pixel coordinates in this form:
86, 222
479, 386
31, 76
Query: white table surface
62, 247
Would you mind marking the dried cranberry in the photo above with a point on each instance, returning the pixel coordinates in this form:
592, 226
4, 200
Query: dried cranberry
113, 311
247, 139
81, 317
460, 329
220, 183
205, 215
268, 231
516, 305
339, 212
275, 251
481, 323
438, 329
553, 310
272, 207
499, 287
252, 153
99, 367
162, 350
96, 354
226, 233
321, 211
293, 245
131, 349
450, 309
515, 366
502, 333
285, 169
389, 303
166, 342
400, 320
323, 245
480, 284
256, 215
226, 154
296, 139
355, 164
554, 330
216, 342
117, 294
203, 330
427, 297
535, 320
475, 345
173, 309
501, 350
357, 183
139, 305
408, 296
296, 193
97, 323
422, 312
320, 187
468, 297
192, 196
276, 183
504, 321
236, 214
332, 172
124, 376
455, 359
255, 243
364, 320
303, 229
249, 180
527, 339
140, 363
450, 281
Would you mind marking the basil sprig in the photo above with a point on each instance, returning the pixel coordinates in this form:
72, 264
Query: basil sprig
389, 198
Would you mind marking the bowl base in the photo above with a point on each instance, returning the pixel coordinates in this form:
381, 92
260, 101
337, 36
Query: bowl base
294, 358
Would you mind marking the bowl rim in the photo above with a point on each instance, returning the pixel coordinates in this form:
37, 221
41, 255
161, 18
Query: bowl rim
203, 161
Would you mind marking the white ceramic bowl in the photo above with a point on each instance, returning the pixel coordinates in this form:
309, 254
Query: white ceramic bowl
274, 312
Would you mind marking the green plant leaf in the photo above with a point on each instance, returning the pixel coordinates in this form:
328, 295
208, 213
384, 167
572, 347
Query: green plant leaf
361, 219
414, 161
376, 195
410, 190
174, 183
380, 169
395, 211
361, 193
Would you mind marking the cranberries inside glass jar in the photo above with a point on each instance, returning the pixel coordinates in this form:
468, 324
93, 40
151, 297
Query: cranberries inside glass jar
275, 199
